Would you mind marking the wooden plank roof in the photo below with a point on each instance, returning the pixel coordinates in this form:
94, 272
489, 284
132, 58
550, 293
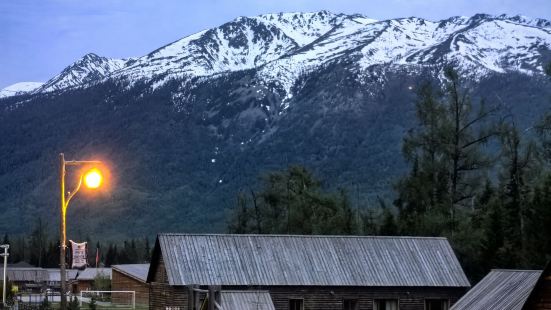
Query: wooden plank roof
246, 300
32, 274
136, 271
309, 260
500, 290
54, 275
90, 274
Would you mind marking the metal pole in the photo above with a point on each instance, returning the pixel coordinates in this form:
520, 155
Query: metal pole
62, 235
5, 255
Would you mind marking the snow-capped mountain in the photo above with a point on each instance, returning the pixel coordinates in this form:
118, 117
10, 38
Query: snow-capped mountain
89, 69
244, 43
284, 46
192, 123
20, 88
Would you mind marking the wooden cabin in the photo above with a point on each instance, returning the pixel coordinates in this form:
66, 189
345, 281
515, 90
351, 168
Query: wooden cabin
130, 277
305, 272
54, 278
504, 289
28, 279
84, 280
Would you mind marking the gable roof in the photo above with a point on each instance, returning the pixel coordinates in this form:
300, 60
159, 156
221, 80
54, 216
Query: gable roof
25, 274
136, 271
89, 274
246, 300
54, 275
308, 260
500, 290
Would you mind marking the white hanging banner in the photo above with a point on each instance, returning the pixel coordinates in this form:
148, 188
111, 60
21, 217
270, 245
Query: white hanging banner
79, 255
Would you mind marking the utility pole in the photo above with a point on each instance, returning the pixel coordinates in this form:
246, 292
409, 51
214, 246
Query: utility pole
62, 234
5, 255
92, 179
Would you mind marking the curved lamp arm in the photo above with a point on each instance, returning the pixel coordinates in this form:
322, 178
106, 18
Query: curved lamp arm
72, 194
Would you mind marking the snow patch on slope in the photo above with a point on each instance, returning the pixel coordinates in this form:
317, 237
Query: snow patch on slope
20, 88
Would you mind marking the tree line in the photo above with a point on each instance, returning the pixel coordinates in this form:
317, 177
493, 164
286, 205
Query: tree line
474, 177
42, 250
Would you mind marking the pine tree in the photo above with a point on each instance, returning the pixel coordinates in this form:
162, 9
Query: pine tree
73, 304
38, 243
388, 225
491, 225
446, 153
518, 159
292, 201
147, 251
110, 256
239, 223
92, 305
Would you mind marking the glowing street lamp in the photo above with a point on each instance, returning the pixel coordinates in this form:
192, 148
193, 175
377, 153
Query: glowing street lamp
92, 179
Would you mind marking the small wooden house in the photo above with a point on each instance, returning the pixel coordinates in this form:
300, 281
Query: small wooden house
305, 272
130, 277
28, 279
84, 280
54, 278
509, 290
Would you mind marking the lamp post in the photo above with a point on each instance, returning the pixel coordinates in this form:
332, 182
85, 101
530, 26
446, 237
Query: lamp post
92, 179
5, 255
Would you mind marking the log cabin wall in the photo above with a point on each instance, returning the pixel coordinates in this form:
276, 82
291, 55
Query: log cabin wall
122, 282
331, 298
164, 296
541, 299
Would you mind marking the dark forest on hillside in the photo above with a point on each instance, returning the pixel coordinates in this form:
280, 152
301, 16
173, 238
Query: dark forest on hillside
474, 176
493, 206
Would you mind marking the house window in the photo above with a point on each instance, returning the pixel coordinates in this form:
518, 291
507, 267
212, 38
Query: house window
385, 304
296, 304
350, 304
437, 304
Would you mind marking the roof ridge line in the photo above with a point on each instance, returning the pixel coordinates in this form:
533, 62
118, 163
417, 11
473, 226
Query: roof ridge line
302, 236
516, 270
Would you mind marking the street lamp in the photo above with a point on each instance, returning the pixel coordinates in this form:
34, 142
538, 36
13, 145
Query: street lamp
5, 255
92, 179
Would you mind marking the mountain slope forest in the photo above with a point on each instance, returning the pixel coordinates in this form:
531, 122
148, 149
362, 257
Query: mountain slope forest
492, 203
191, 129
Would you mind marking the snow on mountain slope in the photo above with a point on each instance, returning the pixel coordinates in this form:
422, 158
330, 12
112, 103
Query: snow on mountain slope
478, 45
89, 69
19, 89
244, 43
501, 45
282, 47
303, 28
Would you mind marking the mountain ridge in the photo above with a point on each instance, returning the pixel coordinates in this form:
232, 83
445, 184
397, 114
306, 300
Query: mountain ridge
183, 143
239, 45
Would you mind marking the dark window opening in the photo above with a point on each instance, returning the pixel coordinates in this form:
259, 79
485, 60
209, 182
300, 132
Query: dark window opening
296, 304
437, 304
350, 304
385, 304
